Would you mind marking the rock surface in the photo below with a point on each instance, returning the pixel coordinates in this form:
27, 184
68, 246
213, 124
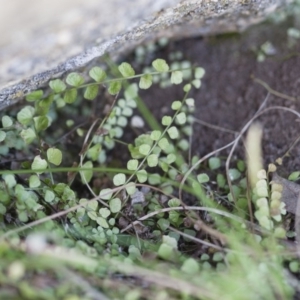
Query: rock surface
87, 32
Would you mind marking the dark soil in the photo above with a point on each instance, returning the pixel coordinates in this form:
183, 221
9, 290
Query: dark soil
229, 97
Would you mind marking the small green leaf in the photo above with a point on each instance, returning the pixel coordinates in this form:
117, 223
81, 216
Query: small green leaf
75, 79
105, 194
7, 121
214, 163
93, 152
199, 73
190, 266
203, 178
173, 132
114, 87
234, 174
2, 135
174, 202
115, 205
163, 143
176, 105
132, 164
294, 176
154, 179
152, 160
41, 123
39, 164
102, 222
181, 118
145, 81
119, 179
163, 224
92, 205
70, 96
49, 196
166, 120
54, 156
196, 83
104, 212
176, 77
126, 70
155, 135
187, 88
34, 181
10, 180
141, 176
171, 158
144, 149
91, 92
88, 173
92, 215
160, 65
36, 95
28, 135
57, 85
97, 74
25, 115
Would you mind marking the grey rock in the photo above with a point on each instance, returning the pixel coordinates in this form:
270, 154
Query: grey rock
117, 29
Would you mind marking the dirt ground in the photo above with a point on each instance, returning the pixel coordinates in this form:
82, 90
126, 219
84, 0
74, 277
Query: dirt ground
229, 97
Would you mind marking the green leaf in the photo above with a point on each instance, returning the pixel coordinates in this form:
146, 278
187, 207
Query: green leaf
160, 65
91, 92
154, 179
181, 118
152, 160
214, 163
114, 87
190, 266
132, 164
105, 194
166, 120
196, 83
7, 121
40, 123
49, 196
75, 79
10, 180
119, 179
97, 74
145, 81
35, 95
28, 135
25, 115
174, 202
91, 205
176, 105
163, 143
126, 70
57, 85
104, 212
171, 158
39, 164
54, 156
2, 135
173, 132
34, 181
144, 149
234, 174
203, 178
87, 174
199, 73
163, 224
102, 222
176, 77
187, 88
141, 176
294, 176
155, 135
70, 96
93, 152
115, 205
